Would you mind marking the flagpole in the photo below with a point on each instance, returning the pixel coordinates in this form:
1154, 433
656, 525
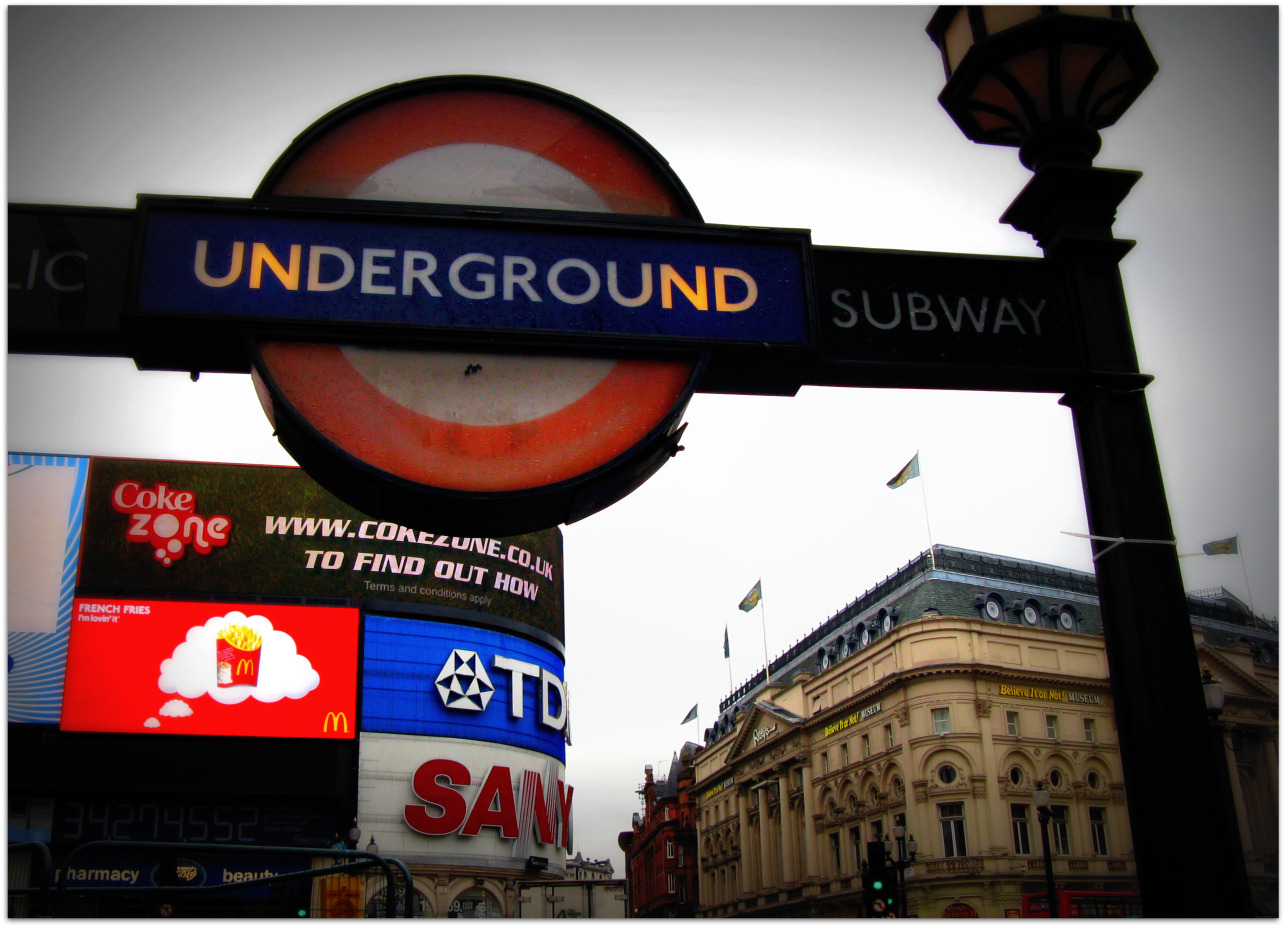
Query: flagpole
727, 654
767, 665
923, 490
1240, 552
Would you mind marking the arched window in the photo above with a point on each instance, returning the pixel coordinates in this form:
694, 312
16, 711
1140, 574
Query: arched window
475, 902
375, 906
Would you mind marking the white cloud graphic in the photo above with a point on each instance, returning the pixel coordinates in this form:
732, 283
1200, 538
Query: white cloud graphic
176, 708
192, 671
151, 722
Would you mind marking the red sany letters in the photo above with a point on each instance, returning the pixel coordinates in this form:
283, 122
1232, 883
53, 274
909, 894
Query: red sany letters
435, 783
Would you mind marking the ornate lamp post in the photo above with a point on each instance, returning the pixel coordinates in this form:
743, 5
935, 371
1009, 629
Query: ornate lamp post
1046, 80
1041, 798
906, 853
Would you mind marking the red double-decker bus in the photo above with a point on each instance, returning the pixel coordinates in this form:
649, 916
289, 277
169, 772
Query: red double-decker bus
1084, 904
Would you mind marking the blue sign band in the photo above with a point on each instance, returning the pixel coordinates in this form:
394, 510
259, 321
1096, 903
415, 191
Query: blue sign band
705, 286
449, 680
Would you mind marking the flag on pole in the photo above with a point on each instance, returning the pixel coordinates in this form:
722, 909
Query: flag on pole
691, 715
727, 649
907, 473
1225, 546
752, 597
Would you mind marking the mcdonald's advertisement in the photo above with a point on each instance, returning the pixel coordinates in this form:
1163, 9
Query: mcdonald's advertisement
233, 531
211, 668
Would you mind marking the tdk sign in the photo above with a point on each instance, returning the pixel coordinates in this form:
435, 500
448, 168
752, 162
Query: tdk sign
464, 684
217, 260
447, 680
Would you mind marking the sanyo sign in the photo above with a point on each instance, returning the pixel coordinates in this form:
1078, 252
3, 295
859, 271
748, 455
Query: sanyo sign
456, 799
533, 805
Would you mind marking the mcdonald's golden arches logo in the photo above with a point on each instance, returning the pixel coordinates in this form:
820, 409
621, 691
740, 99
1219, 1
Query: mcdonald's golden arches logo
245, 666
335, 717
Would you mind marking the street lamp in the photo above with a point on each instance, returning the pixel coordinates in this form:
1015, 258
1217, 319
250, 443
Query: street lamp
1043, 79
906, 853
1215, 698
372, 847
1046, 80
1041, 798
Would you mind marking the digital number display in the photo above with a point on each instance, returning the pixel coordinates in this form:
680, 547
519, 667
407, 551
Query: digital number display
78, 822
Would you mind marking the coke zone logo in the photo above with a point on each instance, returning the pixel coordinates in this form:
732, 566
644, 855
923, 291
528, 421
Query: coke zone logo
166, 518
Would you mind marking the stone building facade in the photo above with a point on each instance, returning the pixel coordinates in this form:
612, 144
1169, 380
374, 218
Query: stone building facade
935, 703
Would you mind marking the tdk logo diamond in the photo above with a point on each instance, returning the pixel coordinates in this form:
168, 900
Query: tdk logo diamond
463, 682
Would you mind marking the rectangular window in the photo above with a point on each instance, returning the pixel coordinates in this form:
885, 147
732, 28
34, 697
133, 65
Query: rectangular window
843, 753
1050, 726
1090, 731
854, 834
1059, 834
952, 829
834, 853
825, 761
865, 745
1098, 828
888, 742
1021, 830
941, 720
680, 854
669, 847
1014, 723
670, 883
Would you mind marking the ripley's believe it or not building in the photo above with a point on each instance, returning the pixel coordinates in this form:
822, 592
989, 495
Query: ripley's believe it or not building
935, 702
229, 660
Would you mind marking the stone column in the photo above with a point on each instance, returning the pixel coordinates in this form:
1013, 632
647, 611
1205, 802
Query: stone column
743, 818
765, 851
810, 836
988, 839
1237, 795
789, 867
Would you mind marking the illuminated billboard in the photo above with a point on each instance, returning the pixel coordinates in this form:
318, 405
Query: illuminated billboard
443, 800
46, 503
249, 670
434, 678
231, 531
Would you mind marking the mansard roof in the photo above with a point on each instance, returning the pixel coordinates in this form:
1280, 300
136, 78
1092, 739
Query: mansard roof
956, 581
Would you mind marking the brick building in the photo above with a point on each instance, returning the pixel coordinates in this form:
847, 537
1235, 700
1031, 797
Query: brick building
660, 851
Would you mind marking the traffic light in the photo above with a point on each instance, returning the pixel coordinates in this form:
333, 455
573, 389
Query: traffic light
878, 884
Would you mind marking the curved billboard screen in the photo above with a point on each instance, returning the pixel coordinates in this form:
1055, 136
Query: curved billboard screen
228, 530
448, 680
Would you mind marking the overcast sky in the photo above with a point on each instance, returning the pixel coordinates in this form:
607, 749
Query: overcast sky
821, 118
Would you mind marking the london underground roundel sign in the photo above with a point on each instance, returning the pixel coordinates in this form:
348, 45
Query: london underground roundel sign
487, 440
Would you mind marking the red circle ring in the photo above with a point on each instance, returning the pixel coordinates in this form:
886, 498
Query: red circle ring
636, 404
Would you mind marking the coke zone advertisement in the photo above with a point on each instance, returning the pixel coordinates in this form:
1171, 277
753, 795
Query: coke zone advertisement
188, 530
246, 670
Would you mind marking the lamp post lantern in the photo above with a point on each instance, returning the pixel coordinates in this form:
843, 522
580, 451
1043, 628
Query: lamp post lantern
1041, 798
1046, 80
907, 850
